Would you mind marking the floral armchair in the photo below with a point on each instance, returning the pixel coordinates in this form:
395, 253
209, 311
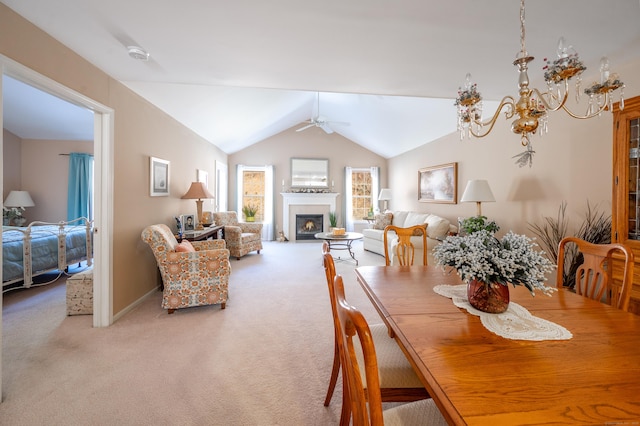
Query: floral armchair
193, 274
241, 237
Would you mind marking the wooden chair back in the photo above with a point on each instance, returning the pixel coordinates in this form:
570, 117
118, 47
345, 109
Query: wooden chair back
353, 325
594, 278
405, 250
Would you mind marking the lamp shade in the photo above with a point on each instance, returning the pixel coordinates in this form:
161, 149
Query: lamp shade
19, 199
197, 191
477, 191
385, 194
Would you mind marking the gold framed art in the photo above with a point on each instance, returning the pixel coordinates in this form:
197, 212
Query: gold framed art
438, 184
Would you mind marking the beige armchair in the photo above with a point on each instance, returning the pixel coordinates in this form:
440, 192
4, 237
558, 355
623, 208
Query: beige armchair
241, 237
193, 274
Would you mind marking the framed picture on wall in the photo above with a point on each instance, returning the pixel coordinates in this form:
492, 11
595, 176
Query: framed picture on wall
438, 184
203, 176
159, 177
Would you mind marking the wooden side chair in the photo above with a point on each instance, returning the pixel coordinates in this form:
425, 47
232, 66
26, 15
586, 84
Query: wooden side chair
361, 371
594, 276
402, 248
398, 381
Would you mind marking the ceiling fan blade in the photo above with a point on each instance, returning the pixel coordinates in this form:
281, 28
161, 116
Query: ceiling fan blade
305, 127
326, 128
339, 123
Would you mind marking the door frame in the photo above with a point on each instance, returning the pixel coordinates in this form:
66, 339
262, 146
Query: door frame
103, 184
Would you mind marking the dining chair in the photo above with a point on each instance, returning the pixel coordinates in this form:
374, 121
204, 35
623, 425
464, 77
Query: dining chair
594, 278
359, 355
402, 247
398, 381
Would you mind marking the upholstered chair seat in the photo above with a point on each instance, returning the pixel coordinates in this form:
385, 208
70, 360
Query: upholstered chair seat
241, 237
193, 274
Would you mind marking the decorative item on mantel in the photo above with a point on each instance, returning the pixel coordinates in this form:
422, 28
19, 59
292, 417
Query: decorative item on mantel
309, 191
487, 265
532, 105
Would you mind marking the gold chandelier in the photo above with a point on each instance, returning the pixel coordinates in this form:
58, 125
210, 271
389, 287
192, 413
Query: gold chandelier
532, 106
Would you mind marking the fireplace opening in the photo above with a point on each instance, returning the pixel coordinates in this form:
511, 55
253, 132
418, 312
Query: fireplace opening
307, 225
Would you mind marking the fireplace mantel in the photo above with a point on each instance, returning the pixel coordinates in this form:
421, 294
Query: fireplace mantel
304, 199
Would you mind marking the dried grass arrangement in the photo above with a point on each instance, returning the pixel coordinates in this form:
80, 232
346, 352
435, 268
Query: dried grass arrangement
595, 228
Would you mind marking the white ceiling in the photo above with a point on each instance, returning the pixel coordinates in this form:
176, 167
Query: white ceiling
239, 72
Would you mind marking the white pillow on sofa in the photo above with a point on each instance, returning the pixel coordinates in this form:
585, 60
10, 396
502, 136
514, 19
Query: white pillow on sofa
437, 227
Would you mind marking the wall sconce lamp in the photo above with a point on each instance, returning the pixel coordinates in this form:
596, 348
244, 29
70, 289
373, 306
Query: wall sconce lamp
198, 192
477, 191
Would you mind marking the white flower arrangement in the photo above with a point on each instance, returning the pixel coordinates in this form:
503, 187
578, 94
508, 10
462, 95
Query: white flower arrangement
483, 257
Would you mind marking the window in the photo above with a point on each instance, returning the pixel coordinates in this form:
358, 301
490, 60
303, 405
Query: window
361, 195
255, 187
253, 183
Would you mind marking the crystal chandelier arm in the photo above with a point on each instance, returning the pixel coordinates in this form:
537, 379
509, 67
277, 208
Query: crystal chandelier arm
591, 112
547, 98
508, 102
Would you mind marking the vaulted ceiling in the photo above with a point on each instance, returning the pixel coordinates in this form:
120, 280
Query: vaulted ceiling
239, 72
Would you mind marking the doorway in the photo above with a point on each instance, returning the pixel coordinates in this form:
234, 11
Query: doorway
103, 155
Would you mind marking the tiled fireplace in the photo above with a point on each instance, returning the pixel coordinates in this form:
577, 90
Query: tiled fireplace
306, 204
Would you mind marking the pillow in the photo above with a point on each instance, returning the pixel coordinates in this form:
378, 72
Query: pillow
381, 220
438, 227
185, 247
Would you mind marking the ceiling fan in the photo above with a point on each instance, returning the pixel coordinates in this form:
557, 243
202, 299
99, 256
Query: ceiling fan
321, 121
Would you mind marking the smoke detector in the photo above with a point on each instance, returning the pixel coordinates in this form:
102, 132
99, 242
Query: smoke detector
138, 53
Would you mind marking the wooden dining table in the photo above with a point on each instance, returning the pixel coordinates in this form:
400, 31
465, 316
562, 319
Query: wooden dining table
479, 378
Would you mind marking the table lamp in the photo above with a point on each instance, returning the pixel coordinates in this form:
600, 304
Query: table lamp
477, 191
198, 192
17, 201
385, 195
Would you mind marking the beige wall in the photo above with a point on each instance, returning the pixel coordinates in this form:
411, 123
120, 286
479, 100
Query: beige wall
141, 130
45, 174
573, 163
11, 166
312, 143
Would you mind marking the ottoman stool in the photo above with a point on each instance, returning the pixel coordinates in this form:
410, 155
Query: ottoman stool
80, 293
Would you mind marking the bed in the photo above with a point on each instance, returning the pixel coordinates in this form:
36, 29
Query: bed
43, 247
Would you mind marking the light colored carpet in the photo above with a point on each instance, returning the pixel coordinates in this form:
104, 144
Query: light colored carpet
264, 360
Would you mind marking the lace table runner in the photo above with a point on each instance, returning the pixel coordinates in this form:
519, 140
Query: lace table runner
516, 323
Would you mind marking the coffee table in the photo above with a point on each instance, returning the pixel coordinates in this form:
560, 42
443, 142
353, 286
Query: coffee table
340, 242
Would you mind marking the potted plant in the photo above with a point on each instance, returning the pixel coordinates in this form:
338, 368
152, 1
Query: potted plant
478, 223
487, 265
333, 221
250, 212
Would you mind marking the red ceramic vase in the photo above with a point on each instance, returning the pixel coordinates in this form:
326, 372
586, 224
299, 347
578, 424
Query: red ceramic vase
492, 298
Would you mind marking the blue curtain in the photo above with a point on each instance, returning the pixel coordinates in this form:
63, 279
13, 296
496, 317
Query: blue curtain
80, 194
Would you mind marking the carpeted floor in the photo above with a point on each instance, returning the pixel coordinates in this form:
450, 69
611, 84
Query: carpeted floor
264, 360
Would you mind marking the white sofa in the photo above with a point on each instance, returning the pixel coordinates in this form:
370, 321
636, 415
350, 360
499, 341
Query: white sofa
437, 229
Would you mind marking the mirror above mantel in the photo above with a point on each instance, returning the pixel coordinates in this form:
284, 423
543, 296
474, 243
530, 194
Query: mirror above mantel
309, 173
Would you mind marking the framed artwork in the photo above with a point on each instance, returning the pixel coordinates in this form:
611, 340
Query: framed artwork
159, 179
188, 222
203, 176
438, 184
